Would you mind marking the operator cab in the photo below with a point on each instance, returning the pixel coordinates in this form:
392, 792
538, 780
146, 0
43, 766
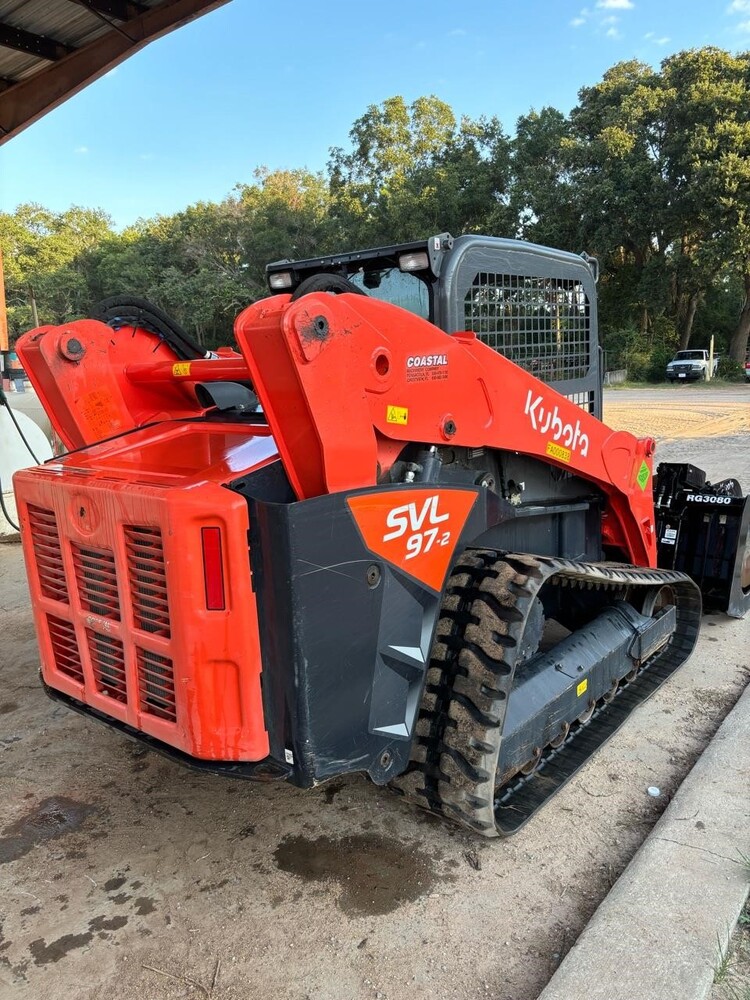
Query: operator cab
534, 305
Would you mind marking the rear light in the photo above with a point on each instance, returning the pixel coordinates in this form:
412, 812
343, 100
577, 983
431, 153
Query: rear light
414, 261
280, 280
213, 569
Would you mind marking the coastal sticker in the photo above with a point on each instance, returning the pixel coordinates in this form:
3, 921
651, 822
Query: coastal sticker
426, 367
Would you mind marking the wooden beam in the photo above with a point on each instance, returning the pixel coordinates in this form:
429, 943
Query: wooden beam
120, 10
33, 45
34, 96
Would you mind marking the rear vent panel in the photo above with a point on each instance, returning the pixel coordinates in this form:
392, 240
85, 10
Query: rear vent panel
97, 581
108, 665
47, 552
148, 581
156, 685
119, 603
65, 648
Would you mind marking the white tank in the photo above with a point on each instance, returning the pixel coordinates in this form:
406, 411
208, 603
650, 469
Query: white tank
14, 454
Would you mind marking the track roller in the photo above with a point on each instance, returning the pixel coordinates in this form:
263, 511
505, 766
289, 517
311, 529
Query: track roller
506, 719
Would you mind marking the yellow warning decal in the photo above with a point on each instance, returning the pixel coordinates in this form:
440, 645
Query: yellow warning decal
181, 368
397, 415
582, 688
557, 451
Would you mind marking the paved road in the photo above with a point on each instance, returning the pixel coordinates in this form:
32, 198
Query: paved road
693, 394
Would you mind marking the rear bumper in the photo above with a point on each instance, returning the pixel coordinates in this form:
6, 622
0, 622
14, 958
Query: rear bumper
262, 770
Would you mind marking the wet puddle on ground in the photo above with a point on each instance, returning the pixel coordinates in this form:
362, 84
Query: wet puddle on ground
376, 874
52, 818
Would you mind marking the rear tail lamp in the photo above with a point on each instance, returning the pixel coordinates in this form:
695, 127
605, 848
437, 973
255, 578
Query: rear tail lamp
213, 569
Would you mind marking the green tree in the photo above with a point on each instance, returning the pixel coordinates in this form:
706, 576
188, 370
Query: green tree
546, 194
47, 254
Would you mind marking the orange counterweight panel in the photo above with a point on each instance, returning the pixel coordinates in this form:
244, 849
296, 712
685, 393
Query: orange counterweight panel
122, 602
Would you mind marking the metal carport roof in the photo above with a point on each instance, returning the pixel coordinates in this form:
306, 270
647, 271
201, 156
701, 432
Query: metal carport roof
50, 49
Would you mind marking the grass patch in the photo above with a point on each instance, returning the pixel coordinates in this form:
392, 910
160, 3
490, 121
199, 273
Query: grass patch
732, 968
744, 863
723, 964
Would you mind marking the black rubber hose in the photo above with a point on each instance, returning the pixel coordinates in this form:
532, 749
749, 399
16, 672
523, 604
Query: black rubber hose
4, 402
326, 283
128, 311
4, 509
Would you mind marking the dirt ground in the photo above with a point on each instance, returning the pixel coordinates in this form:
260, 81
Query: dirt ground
125, 876
688, 411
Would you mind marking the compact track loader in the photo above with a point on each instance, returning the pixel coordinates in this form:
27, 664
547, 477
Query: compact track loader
365, 543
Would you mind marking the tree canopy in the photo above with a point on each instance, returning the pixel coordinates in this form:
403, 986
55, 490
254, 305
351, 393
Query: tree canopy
649, 172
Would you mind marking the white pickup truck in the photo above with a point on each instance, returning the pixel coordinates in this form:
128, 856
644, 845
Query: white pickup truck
690, 366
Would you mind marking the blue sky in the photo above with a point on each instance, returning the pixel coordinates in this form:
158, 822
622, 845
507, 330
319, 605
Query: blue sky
278, 84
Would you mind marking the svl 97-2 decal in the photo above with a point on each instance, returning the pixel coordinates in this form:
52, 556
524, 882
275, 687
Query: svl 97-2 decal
415, 530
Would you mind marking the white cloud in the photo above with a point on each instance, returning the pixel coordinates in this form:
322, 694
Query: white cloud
739, 7
664, 40
577, 22
612, 19
613, 33
615, 4
744, 26
456, 33
81, 149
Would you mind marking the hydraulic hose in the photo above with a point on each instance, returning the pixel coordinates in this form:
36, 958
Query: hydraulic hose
120, 311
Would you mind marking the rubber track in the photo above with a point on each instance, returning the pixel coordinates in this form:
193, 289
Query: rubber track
454, 758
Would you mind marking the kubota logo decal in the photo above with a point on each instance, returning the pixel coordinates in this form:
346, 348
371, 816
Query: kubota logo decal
415, 530
547, 421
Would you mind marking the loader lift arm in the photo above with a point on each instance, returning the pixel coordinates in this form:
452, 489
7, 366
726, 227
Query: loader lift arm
305, 356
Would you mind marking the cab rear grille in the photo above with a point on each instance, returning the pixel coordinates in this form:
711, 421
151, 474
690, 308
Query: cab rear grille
156, 685
148, 580
108, 664
65, 648
97, 581
46, 541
